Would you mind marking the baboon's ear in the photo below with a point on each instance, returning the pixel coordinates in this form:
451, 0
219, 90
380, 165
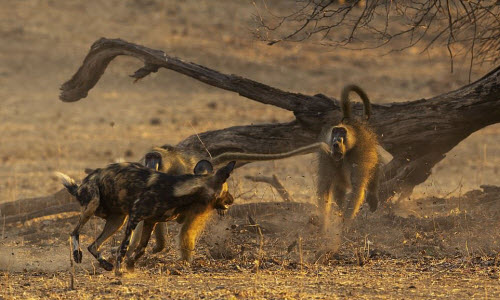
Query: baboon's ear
89, 170
203, 167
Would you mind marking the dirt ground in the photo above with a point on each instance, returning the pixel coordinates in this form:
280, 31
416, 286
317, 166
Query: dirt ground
432, 247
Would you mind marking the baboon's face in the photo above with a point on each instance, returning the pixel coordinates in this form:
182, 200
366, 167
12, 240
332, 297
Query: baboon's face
153, 160
338, 142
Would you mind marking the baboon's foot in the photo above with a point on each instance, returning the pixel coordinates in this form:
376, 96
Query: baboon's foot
184, 263
372, 202
77, 256
106, 265
324, 256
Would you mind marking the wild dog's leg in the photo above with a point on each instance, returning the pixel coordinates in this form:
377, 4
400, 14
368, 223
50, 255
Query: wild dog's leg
86, 214
113, 223
372, 193
131, 225
141, 248
136, 238
160, 234
194, 222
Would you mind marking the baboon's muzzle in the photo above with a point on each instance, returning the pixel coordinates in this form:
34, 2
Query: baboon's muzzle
337, 151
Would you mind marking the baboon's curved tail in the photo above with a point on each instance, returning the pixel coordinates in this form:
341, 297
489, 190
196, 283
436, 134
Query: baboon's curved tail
68, 183
250, 157
346, 103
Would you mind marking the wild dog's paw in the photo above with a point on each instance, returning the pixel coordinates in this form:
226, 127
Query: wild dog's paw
130, 266
106, 265
77, 256
158, 248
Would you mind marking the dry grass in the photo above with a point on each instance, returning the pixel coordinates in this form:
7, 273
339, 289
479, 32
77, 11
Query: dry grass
43, 42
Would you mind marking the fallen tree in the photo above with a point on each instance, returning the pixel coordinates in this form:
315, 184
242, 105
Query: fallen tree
417, 133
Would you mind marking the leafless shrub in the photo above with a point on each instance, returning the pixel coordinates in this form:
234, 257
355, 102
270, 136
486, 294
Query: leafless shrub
464, 27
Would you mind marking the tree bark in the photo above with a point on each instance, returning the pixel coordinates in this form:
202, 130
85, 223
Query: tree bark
417, 133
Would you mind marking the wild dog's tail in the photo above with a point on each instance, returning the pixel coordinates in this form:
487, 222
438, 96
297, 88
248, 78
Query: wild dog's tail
346, 103
68, 183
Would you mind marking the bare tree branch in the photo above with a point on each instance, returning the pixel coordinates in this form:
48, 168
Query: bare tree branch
455, 24
104, 51
417, 133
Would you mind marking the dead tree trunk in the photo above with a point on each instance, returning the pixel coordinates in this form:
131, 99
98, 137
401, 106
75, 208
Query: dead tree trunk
417, 133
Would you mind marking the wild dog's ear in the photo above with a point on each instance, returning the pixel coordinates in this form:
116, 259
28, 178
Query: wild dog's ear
189, 187
203, 167
223, 173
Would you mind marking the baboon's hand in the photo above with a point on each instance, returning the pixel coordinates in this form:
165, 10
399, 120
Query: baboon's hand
325, 148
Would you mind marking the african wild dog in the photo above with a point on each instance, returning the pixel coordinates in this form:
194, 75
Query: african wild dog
142, 193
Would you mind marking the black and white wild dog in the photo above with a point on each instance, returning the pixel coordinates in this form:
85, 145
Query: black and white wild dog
146, 195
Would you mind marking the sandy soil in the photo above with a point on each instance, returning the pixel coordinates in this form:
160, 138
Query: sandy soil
44, 42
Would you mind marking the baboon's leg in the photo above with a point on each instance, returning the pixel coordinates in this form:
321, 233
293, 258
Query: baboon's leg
131, 225
327, 197
86, 214
141, 248
113, 223
372, 192
359, 182
136, 237
194, 222
161, 236
339, 189
339, 192
325, 179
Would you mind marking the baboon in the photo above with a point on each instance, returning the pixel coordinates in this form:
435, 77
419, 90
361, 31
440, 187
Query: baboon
116, 191
352, 161
170, 160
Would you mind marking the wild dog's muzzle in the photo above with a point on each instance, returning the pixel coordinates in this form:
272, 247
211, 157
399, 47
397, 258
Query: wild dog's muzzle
152, 160
222, 205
